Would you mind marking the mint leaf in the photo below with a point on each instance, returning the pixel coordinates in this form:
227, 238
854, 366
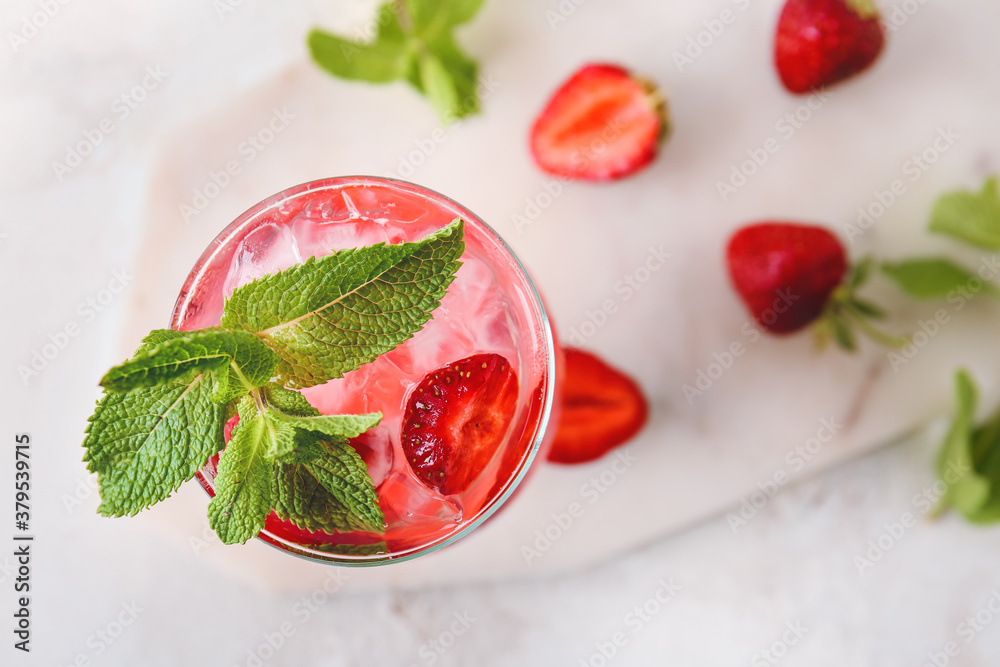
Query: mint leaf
243, 485
332, 493
971, 217
373, 549
462, 76
158, 336
282, 438
329, 316
145, 443
930, 278
432, 17
336, 426
288, 401
414, 43
966, 490
385, 60
438, 85
986, 456
290, 410
226, 355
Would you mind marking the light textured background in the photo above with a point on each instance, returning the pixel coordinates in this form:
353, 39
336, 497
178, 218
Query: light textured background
62, 240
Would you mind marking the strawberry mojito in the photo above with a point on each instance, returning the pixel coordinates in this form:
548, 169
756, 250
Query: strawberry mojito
463, 402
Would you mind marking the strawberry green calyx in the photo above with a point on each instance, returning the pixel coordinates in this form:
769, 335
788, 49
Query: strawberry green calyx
846, 313
866, 9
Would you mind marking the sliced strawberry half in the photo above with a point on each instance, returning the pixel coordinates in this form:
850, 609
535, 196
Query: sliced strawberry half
455, 421
601, 409
602, 124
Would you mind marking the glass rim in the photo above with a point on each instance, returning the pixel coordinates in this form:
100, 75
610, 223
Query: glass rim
249, 217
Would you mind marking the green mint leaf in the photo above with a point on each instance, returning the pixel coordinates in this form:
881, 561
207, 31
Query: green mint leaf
373, 549
282, 437
971, 217
966, 490
430, 18
158, 336
332, 493
288, 401
146, 443
243, 485
226, 355
329, 316
414, 43
336, 426
385, 60
457, 76
930, 278
986, 456
438, 85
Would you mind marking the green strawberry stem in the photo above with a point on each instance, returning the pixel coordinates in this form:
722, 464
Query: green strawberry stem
845, 312
875, 334
866, 9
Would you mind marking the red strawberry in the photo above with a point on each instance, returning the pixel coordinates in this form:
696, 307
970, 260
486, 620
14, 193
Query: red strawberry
602, 124
791, 275
456, 420
785, 272
601, 409
822, 42
227, 431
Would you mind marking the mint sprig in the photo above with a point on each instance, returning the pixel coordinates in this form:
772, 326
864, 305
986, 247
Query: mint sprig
415, 43
163, 412
969, 461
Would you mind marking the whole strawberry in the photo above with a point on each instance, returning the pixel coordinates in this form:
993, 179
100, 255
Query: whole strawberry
822, 42
792, 275
602, 124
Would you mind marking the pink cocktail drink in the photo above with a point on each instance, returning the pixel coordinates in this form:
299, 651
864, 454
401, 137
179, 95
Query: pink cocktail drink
490, 308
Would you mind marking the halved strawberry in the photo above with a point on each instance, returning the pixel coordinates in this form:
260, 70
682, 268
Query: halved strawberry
456, 419
601, 409
602, 124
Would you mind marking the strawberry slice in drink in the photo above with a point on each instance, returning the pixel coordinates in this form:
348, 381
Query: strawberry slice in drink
456, 419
